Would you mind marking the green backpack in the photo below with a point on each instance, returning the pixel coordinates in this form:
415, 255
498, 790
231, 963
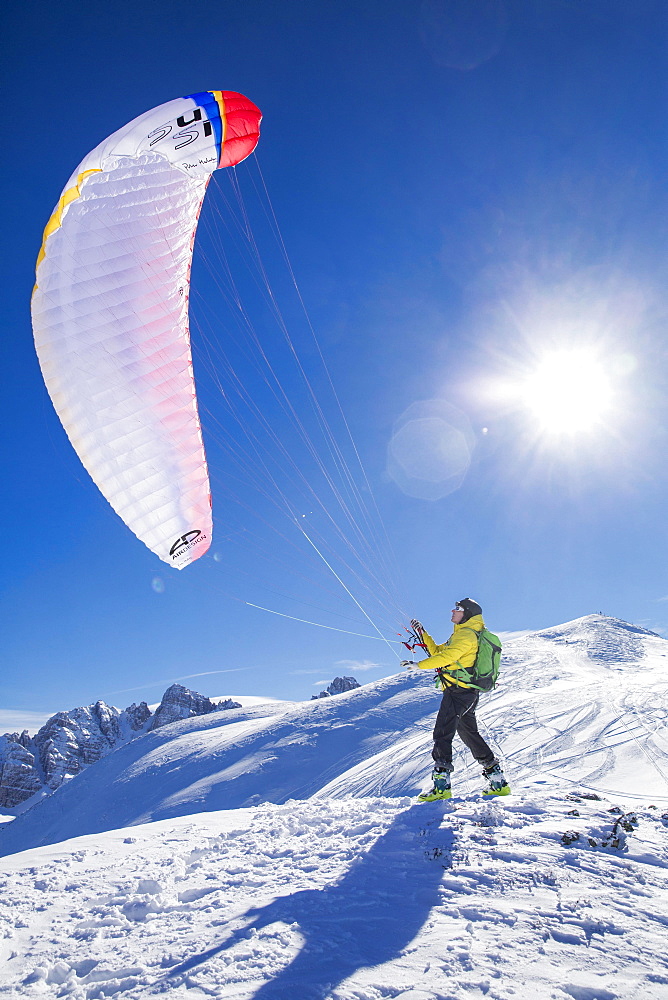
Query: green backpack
485, 670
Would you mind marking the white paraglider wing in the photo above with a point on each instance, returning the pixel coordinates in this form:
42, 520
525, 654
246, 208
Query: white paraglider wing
110, 313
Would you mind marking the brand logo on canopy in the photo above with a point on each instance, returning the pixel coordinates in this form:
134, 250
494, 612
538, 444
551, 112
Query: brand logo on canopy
185, 541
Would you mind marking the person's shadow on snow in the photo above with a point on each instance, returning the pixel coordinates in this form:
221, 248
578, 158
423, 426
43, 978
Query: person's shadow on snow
364, 919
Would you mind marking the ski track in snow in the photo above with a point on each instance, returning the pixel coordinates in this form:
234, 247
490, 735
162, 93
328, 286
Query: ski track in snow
348, 899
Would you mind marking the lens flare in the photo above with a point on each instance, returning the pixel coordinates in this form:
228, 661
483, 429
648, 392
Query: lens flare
429, 453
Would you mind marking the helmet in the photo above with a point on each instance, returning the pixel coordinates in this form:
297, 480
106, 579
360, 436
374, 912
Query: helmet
469, 607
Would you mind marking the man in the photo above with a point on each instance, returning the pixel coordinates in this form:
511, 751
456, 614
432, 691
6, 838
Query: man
459, 701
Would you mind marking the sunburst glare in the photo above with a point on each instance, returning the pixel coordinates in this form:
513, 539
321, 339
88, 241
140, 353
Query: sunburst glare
568, 392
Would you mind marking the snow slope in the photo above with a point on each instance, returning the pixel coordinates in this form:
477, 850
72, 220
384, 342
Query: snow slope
347, 899
321, 880
582, 703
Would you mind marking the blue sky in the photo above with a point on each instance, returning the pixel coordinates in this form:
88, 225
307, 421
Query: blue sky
461, 197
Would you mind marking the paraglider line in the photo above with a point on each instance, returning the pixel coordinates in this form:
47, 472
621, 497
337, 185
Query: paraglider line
332, 570
306, 622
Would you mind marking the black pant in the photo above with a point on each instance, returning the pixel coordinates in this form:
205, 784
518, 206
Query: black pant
457, 715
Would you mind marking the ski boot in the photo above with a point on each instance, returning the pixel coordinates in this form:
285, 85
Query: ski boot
441, 789
497, 784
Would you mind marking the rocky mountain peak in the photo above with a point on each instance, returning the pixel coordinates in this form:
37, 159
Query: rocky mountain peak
338, 686
179, 702
137, 715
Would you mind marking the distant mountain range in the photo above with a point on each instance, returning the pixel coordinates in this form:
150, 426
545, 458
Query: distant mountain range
70, 741
578, 705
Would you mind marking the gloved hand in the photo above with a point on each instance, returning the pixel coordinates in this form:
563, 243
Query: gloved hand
417, 625
408, 663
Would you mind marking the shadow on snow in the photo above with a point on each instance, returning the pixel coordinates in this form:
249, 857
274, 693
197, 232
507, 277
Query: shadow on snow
364, 919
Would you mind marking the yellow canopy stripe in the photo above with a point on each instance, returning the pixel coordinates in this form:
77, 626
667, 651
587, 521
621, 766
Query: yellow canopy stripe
218, 94
66, 198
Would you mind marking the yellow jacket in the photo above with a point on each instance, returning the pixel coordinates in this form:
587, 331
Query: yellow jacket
460, 650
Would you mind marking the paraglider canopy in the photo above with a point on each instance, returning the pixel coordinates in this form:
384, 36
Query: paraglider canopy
110, 313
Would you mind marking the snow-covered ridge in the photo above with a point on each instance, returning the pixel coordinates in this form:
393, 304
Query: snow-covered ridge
613, 641
560, 717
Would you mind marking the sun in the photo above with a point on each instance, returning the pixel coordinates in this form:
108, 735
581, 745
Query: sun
568, 392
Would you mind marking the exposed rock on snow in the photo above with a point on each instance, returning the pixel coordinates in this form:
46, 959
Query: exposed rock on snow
228, 703
338, 686
70, 741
